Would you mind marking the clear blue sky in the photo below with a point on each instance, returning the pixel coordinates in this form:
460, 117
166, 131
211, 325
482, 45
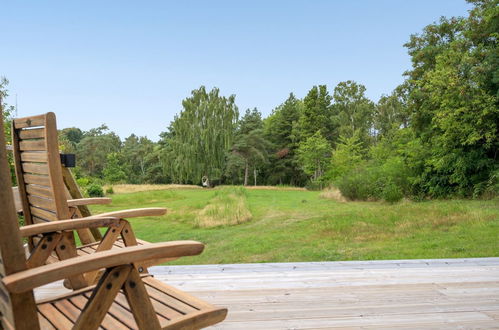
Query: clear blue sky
130, 64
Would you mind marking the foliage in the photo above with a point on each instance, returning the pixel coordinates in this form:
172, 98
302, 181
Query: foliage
95, 190
348, 154
200, 136
313, 155
113, 172
249, 149
352, 111
316, 114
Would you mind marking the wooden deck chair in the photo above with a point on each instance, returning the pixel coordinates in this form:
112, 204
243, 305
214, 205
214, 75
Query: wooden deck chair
44, 198
122, 299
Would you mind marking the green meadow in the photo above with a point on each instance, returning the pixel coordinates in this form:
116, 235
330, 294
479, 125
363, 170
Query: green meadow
293, 225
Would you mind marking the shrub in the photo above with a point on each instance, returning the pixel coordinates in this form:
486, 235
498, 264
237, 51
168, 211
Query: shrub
110, 190
392, 193
95, 190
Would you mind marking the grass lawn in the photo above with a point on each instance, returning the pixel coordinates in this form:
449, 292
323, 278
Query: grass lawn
289, 225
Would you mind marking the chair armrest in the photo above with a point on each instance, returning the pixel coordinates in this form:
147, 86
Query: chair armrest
89, 201
133, 213
71, 224
32, 278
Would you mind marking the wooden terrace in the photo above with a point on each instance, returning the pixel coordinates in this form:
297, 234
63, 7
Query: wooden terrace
438, 294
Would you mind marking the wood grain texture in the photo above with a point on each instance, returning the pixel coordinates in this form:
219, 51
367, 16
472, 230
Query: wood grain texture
32, 278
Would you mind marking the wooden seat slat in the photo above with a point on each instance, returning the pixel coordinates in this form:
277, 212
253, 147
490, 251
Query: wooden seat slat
39, 220
44, 323
109, 321
174, 302
121, 299
54, 316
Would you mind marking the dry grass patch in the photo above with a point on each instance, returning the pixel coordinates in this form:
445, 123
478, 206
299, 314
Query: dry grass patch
131, 188
228, 207
332, 193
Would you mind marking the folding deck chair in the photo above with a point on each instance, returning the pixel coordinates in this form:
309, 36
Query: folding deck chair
44, 198
122, 299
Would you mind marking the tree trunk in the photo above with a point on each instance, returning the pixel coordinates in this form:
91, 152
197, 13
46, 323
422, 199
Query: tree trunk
246, 174
254, 175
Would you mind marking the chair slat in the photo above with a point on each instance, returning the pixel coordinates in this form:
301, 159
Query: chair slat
43, 214
54, 316
35, 133
38, 191
32, 121
35, 168
32, 145
44, 203
42, 180
34, 156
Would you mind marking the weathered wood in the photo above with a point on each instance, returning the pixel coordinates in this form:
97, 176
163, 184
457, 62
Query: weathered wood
66, 249
43, 249
102, 297
39, 191
89, 201
32, 121
34, 133
42, 180
43, 214
12, 254
134, 213
33, 278
32, 145
35, 168
75, 193
35, 156
41, 202
139, 301
71, 224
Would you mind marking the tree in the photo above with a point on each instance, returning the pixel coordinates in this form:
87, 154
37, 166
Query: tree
316, 114
135, 151
7, 111
347, 156
280, 129
93, 149
314, 154
391, 112
113, 171
353, 111
250, 145
200, 137
454, 101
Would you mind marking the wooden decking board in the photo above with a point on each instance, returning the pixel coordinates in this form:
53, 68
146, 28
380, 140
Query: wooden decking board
395, 294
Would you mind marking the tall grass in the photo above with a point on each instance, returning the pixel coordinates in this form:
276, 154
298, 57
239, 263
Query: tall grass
227, 207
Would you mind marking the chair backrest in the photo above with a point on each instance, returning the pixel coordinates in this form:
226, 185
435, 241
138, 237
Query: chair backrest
38, 168
16, 310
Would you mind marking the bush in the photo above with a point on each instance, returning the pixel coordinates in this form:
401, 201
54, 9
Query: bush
392, 193
388, 181
109, 190
95, 190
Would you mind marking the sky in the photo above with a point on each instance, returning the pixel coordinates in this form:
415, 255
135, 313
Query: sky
129, 64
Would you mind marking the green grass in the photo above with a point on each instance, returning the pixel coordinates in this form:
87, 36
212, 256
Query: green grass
300, 226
